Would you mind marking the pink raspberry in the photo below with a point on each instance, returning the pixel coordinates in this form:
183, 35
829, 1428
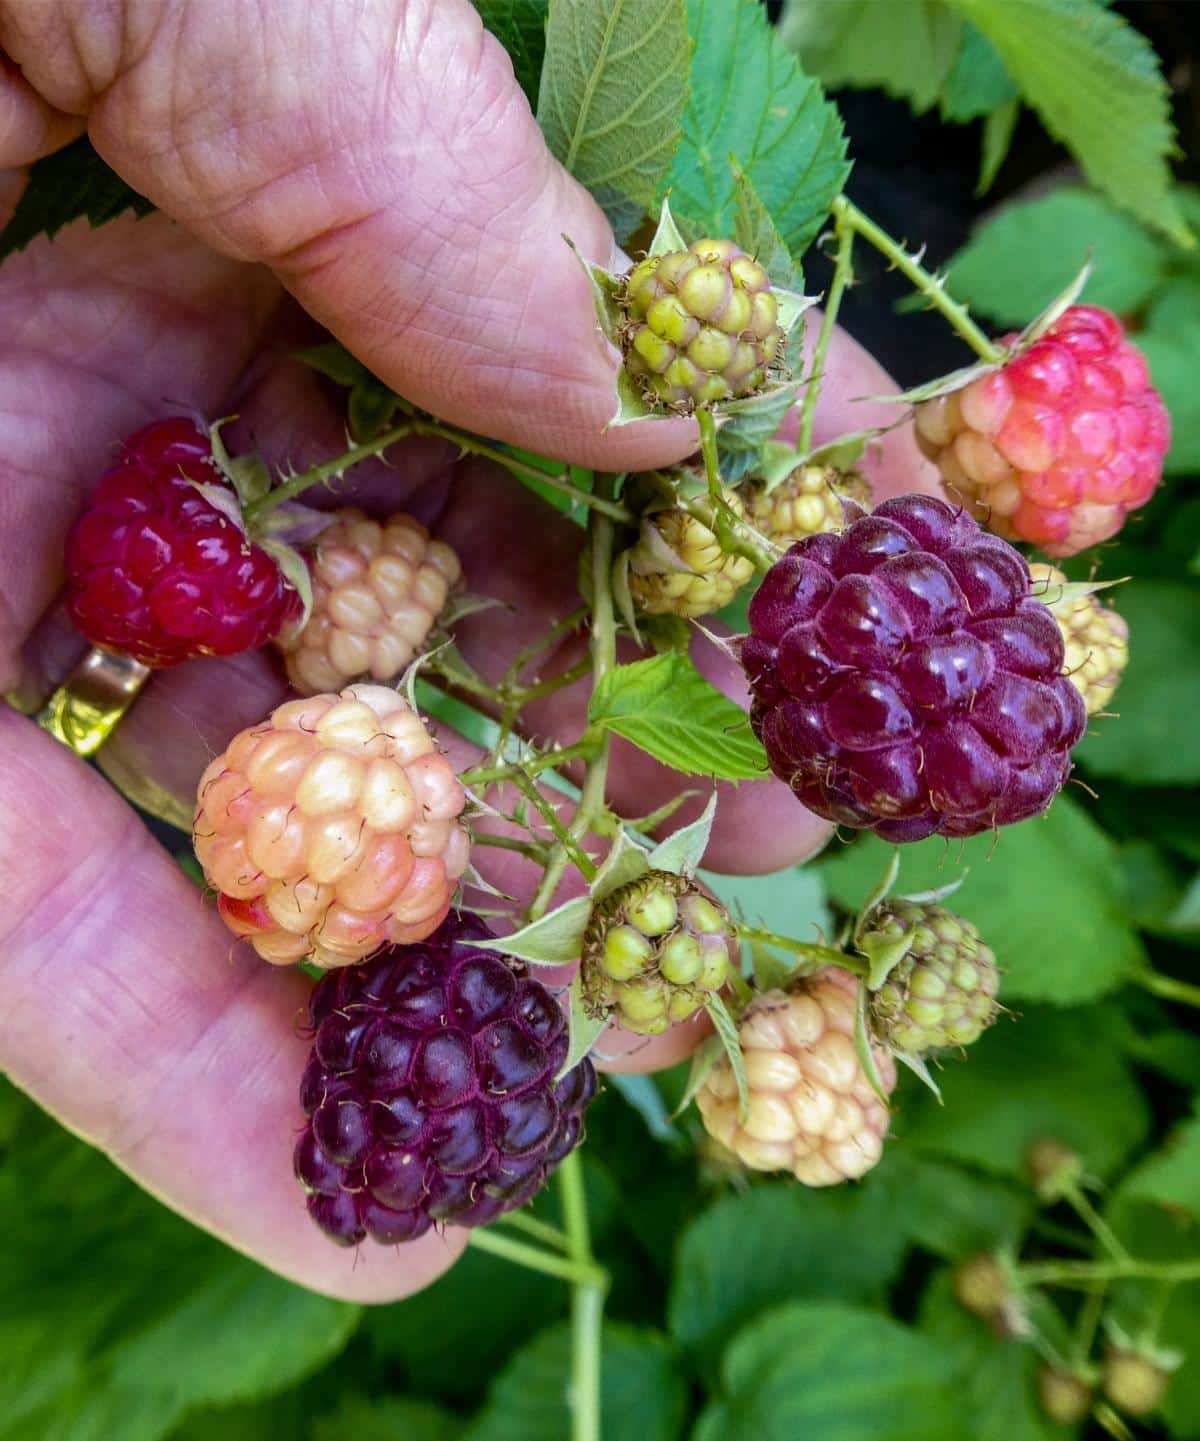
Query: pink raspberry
907, 680
432, 1090
156, 572
331, 829
1057, 446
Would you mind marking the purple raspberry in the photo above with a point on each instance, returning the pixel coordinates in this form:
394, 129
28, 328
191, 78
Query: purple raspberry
430, 1090
906, 679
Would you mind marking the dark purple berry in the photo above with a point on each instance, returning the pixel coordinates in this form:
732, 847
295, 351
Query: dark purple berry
906, 679
432, 1091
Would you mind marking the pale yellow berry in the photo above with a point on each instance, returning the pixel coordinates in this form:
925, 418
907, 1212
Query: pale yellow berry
678, 566
806, 502
379, 588
1095, 639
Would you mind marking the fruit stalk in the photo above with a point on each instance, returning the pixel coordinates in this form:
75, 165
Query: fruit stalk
843, 273
587, 1305
806, 950
564, 1268
1086, 1274
326, 471
933, 289
1168, 987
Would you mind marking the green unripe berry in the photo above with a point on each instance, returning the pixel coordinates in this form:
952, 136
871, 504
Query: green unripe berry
1065, 1397
626, 952
668, 317
701, 915
706, 291
681, 960
654, 912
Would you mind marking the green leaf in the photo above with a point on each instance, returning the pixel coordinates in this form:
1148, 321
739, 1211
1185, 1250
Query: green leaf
1031, 1076
642, 1390
774, 1243
995, 1374
757, 234
834, 1372
1060, 865
1018, 262
552, 940
139, 1318
749, 98
727, 1031
362, 1418
613, 87
1096, 84
71, 184
998, 130
520, 26
584, 1029
978, 82
947, 1209
1171, 345
666, 707
1148, 744
907, 50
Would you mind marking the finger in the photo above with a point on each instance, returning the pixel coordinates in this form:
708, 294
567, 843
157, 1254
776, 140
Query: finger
129, 1015
29, 127
384, 160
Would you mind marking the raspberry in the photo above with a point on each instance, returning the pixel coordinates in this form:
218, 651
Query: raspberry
812, 1110
655, 950
701, 326
1058, 445
157, 572
378, 589
679, 568
807, 502
1096, 638
906, 679
331, 829
982, 1285
1054, 1169
943, 992
431, 1090
1135, 1383
1065, 1397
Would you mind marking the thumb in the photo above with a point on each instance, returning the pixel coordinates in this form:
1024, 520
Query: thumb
384, 162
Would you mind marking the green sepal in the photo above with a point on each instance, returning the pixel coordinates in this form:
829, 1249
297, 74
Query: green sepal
939, 894
667, 235
884, 953
583, 1029
771, 971
294, 569
555, 939
704, 1058
248, 474
941, 385
624, 863
864, 1050
916, 1064
726, 1030
683, 850
623, 596
1054, 311
881, 891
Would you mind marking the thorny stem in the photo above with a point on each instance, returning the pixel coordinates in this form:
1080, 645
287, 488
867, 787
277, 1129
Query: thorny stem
806, 950
843, 273
327, 470
587, 1305
1168, 987
575, 853
739, 537
465, 441
933, 289
545, 760
534, 850
566, 1268
708, 449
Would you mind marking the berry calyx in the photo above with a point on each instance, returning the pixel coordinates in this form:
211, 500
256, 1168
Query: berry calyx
432, 1090
1054, 1169
159, 570
679, 567
378, 588
812, 1109
943, 990
1058, 445
1134, 1381
983, 1285
1066, 1397
700, 326
655, 951
331, 829
1096, 638
807, 502
907, 680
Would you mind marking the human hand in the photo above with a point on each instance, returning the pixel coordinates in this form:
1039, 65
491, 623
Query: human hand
381, 166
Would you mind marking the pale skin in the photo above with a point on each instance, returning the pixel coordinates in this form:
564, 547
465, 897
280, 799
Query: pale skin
374, 168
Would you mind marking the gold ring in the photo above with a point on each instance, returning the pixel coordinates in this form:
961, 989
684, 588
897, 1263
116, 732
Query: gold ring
83, 712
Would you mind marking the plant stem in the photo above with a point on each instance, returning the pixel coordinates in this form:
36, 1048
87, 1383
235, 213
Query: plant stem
533, 849
1076, 1198
933, 289
708, 449
465, 441
843, 273
741, 538
327, 470
575, 853
1088, 1273
1089, 1319
565, 1268
523, 1221
820, 955
1168, 987
587, 1306
547, 760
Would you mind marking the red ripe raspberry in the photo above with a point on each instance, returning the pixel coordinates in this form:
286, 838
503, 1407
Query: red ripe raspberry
157, 572
431, 1090
1061, 443
907, 680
